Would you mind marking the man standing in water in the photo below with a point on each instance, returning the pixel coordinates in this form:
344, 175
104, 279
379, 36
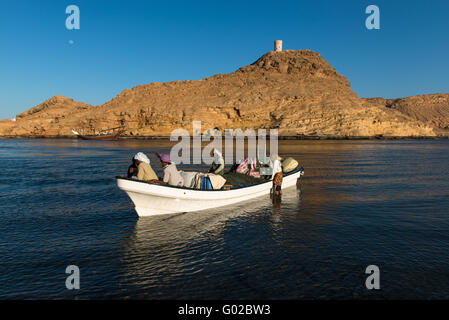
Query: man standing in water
276, 176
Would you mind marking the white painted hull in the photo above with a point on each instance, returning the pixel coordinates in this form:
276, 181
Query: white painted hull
153, 199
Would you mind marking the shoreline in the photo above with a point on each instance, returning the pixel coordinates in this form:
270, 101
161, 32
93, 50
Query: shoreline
299, 137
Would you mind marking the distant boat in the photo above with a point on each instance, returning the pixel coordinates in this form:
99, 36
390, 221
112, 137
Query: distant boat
153, 199
104, 135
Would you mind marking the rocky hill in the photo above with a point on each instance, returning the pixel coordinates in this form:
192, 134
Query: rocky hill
52, 117
295, 91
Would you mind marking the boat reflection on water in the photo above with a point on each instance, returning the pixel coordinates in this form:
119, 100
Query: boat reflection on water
193, 224
166, 249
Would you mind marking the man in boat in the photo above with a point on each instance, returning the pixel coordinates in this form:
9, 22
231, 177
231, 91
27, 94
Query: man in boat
144, 170
275, 164
218, 164
171, 174
132, 169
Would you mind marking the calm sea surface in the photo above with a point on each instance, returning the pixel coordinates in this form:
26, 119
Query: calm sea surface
360, 203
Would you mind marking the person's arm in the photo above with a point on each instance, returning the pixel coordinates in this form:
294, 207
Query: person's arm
220, 167
273, 167
140, 173
166, 176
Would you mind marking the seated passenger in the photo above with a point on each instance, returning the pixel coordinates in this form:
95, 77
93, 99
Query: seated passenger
132, 170
171, 174
145, 172
218, 164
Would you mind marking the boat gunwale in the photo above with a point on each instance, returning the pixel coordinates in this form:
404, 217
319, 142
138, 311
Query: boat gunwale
192, 189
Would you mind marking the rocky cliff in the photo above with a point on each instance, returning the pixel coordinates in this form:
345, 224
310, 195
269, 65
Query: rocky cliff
295, 91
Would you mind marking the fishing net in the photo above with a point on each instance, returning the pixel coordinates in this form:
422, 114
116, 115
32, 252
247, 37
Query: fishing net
238, 180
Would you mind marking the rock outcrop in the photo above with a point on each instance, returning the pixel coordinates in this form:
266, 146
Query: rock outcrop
295, 91
432, 109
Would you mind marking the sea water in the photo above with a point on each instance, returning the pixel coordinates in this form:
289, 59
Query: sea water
360, 203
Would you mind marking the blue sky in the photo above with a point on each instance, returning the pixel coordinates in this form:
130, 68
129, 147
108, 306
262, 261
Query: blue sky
122, 44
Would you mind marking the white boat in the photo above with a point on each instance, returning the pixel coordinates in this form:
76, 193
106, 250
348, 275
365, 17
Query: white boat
153, 199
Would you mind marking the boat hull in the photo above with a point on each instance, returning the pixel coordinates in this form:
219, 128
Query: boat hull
153, 199
99, 137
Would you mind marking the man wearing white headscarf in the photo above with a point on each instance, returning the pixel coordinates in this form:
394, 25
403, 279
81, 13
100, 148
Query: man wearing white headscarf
218, 163
145, 172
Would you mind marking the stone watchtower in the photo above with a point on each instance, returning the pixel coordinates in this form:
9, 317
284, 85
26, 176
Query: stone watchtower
278, 45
